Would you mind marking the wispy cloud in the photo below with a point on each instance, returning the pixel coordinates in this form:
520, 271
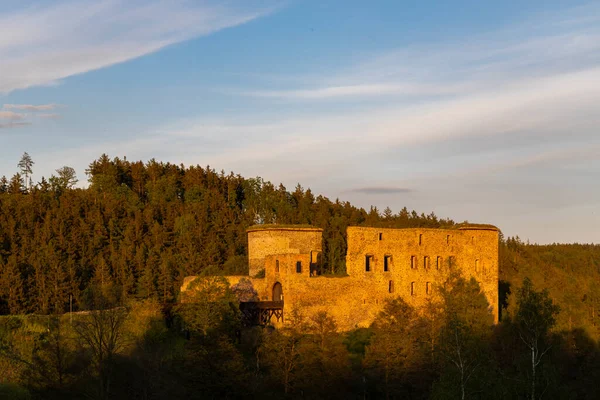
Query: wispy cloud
14, 125
46, 42
28, 112
10, 115
360, 90
31, 107
544, 46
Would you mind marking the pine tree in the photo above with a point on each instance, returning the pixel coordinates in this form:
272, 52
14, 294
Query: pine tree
26, 165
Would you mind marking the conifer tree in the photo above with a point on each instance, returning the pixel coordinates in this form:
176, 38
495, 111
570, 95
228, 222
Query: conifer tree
26, 167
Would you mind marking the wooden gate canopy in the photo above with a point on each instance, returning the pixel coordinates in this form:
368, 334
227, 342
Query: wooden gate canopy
261, 312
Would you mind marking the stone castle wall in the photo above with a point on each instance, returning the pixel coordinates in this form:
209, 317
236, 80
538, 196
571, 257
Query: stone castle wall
263, 242
417, 261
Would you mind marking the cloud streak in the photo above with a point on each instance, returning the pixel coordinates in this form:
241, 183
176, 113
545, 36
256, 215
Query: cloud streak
45, 43
10, 115
31, 107
555, 45
11, 125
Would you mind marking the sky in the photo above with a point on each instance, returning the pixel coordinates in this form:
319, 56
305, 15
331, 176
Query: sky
481, 111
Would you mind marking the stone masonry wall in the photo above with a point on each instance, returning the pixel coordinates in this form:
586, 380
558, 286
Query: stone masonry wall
419, 258
263, 242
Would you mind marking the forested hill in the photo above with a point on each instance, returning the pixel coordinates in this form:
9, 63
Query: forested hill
570, 273
140, 228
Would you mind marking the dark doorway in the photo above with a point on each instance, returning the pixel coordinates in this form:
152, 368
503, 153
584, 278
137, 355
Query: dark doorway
277, 292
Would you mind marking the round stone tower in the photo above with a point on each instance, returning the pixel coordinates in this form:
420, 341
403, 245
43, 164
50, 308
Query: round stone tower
265, 240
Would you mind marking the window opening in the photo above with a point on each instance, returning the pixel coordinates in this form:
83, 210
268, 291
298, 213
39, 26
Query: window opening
276, 265
386, 263
438, 262
420, 239
380, 236
368, 263
391, 287
428, 288
426, 262
299, 267
413, 262
412, 289
447, 239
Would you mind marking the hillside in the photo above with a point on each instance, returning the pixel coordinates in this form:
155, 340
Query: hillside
140, 228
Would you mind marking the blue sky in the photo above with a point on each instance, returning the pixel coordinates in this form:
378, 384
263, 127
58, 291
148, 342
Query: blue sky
479, 111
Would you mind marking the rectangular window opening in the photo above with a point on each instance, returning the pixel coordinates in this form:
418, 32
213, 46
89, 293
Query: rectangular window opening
391, 287
380, 236
428, 288
386, 263
368, 263
426, 262
299, 267
276, 265
420, 239
438, 262
413, 262
412, 289
447, 239
477, 266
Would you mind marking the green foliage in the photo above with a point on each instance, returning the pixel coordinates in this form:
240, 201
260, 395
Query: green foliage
140, 228
569, 273
209, 307
9, 391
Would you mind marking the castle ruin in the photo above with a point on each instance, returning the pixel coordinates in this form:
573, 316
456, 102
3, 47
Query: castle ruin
381, 264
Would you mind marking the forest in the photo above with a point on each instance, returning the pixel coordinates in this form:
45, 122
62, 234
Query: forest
116, 253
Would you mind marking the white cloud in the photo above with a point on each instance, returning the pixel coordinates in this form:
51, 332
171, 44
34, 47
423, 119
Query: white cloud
10, 115
31, 107
47, 42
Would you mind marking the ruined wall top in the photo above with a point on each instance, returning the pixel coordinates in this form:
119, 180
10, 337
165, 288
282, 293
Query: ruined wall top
282, 227
267, 240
